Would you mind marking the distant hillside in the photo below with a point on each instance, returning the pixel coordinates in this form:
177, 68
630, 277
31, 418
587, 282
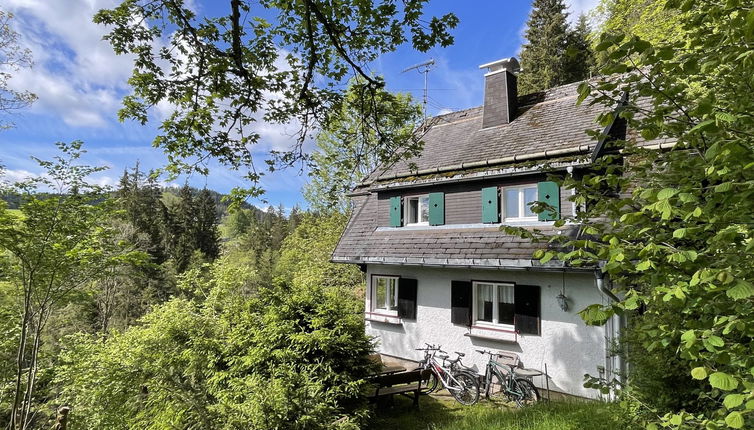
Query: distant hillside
169, 194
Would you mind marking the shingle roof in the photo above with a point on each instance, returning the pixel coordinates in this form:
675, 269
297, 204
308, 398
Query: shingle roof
549, 120
363, 242
546, 121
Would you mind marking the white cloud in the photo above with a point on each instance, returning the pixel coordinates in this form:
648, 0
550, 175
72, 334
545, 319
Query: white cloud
76, 75
578, 7
15, 175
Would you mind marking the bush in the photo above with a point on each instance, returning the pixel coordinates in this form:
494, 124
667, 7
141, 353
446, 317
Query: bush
287, 358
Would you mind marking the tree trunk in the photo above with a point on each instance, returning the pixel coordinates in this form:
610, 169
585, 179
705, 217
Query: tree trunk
62, 420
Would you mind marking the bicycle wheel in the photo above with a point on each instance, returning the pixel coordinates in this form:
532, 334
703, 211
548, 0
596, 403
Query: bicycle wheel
496, 388
466, 390
430, 384
525, 392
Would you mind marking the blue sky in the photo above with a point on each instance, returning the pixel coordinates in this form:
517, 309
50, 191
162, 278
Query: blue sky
80, 81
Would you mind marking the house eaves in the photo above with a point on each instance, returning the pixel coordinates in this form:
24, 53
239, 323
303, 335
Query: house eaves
450, 177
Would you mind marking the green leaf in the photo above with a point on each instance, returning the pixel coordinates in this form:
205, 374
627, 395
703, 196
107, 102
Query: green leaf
676, 420
750, 23
733, 400
735, 420
724, 187
716, 341
644, 265
583, 91
667, 193
724, 116
742, 290
723, 381
699, 373
679, 233
702, 125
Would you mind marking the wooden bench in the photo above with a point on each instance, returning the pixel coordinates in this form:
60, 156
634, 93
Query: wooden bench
402, 383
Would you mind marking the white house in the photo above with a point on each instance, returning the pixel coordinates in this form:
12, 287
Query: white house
427, 234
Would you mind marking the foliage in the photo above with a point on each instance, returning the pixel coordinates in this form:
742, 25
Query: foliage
676, 237
13, 58
349, 148
262, 237
553, 54
305, 255
648, 19
280, 63
285, 357
57, 247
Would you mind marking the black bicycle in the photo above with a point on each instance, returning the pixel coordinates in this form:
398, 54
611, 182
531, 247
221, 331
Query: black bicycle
500, 382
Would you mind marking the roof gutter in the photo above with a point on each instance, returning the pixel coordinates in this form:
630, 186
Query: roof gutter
486, 163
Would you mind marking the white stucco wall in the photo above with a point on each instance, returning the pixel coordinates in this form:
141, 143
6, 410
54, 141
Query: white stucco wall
568, 347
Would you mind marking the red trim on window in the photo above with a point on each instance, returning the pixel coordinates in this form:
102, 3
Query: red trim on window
382, 315
494, 329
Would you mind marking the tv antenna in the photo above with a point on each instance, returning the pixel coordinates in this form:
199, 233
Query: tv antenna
423, 68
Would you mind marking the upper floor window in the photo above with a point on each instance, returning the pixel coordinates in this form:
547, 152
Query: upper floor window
417, 210
517, 202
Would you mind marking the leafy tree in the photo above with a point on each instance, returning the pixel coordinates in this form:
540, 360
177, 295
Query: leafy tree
276, 61
676, 237
13, 58
349, 148
57, 246
305, 255
648, 19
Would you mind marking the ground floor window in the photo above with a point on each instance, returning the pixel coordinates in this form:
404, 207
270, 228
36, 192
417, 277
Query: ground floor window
392, 296
385, 293
494, 303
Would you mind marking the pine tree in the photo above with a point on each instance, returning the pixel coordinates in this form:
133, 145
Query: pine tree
184, 227
543, 56
579, 59
139, 197
207, 235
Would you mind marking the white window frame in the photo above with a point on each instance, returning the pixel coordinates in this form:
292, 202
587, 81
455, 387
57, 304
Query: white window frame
495, 301
407, 209
521, 203
373, 295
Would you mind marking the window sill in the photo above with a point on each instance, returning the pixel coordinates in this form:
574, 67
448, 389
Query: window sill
496, 334
382, 318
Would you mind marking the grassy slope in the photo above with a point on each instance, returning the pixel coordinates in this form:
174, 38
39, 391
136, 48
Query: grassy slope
442, 413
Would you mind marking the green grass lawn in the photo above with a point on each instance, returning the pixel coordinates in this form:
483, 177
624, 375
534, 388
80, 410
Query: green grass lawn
443, 413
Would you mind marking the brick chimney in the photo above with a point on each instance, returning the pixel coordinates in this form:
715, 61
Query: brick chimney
500, 92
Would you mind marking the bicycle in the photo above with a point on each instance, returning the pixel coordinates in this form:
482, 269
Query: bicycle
500, 380
463, 386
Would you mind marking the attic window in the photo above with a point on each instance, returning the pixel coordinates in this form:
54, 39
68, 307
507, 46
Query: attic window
517, 202
417, 210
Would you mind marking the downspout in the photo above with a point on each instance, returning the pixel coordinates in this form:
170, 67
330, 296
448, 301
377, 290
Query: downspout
616, 327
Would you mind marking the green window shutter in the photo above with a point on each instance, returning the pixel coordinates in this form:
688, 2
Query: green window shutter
490, 205
436, 208
549, 192
395, 211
